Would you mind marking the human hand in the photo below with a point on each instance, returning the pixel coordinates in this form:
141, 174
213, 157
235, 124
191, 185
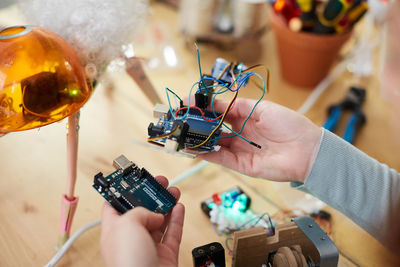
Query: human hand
289, 142
141, 237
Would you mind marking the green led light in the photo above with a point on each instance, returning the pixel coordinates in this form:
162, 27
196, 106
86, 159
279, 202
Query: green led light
242, 200
74, 92
237, 207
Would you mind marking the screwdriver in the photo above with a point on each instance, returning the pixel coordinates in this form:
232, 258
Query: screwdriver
333, 12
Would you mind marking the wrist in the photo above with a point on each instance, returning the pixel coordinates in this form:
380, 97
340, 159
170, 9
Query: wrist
314, 145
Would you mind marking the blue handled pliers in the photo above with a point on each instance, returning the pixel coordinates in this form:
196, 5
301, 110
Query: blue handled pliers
353, 101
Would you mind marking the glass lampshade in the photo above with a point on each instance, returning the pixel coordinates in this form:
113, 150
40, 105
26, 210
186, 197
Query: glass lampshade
41, 79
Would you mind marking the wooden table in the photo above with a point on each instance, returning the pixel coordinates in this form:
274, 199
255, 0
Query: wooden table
33, 163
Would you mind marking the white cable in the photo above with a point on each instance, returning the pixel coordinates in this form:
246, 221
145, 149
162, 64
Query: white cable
60, 253
322, 86
186, 174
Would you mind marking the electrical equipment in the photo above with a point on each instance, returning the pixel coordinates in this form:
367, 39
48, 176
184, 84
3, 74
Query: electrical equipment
129, 187
230, 211
196, 129
233, 198
186, 133
301, 243
210, 255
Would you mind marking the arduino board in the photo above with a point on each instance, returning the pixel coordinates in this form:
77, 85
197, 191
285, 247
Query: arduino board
130, 186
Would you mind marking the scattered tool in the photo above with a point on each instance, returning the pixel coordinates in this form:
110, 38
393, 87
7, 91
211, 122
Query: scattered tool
321, 17
353, 101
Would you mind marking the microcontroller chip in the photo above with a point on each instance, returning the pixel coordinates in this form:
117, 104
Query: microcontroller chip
126, 190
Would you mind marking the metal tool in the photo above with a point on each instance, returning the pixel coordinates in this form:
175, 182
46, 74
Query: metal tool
353, 101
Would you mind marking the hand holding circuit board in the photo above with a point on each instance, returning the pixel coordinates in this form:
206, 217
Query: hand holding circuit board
196, 129
289, 141
140, 237
130, 186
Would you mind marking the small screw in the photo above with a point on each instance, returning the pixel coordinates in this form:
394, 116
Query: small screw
322, 238
310, 226
212, 247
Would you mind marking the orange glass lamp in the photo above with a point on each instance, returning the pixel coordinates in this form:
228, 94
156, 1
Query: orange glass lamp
43, 81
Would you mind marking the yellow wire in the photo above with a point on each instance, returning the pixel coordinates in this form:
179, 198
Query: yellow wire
226, 110
256, 83
163, 136
223, 71
219, 124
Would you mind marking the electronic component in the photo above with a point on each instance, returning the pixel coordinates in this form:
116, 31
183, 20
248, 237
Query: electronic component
130, 186
193, 130
212, 254
160, 110
196, 129
123, 163
230, 211
233, 198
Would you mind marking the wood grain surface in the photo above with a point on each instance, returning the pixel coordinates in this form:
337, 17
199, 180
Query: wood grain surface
114, 122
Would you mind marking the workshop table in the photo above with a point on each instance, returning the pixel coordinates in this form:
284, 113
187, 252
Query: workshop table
114, 122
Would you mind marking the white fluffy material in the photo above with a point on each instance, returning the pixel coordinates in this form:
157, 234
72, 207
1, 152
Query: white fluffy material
95, 28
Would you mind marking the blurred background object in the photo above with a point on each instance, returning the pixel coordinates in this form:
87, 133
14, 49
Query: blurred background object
6, 3
305, 58
310, 34
227, 23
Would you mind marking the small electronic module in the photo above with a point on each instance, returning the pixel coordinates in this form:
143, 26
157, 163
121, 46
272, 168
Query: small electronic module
129, 187
195, 129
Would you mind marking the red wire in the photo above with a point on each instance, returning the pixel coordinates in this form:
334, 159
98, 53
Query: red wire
202, 113
207, 263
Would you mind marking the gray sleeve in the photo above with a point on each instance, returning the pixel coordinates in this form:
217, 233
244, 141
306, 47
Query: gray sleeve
357, 185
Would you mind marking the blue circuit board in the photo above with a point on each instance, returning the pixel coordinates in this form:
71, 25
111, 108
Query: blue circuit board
199, 129
126, 189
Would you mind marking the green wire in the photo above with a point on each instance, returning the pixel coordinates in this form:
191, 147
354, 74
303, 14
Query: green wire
173, 93
198, 60
247, 118
220, 91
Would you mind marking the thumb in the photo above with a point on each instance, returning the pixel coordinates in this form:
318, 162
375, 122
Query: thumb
150, 220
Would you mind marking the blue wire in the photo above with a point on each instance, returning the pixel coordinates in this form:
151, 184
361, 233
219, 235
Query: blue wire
212, 108
212, 86
240, 80
170, 107
247, 118
169, 103
173, 93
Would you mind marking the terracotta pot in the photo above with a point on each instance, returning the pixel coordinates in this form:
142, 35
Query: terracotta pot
305, 58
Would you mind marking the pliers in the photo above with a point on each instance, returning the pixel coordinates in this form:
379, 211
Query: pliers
353, 101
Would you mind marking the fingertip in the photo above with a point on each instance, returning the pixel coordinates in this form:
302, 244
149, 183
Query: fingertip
175, 191
180, 207
162, 180
178, 211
